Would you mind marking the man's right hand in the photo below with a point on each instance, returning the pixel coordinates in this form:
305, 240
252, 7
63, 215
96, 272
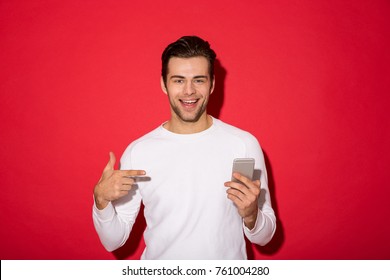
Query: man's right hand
114, 183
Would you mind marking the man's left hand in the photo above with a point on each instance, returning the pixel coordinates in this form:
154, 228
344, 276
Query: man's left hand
245, 195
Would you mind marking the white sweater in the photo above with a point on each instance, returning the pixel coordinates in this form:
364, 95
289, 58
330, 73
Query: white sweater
187, 212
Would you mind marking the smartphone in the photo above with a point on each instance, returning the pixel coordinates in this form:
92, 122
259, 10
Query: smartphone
244, 166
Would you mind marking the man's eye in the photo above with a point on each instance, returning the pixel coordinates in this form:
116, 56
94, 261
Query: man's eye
178, 81
200, 81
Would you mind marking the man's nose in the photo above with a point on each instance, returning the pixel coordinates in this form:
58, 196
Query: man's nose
189, 88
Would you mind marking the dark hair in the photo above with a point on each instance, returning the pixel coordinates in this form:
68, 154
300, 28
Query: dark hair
187, 47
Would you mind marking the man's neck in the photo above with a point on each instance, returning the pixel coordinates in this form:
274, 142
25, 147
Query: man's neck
179, 126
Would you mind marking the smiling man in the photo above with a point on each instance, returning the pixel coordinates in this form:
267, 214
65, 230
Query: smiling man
180, 172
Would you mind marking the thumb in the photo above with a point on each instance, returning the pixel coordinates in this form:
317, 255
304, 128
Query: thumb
111, 163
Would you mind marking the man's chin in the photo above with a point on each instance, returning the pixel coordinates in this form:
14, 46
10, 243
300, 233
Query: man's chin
189, 117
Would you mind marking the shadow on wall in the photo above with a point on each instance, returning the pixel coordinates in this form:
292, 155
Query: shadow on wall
217, 97
214, 109
278, 239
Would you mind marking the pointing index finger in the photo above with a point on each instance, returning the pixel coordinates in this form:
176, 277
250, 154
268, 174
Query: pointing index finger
130, 173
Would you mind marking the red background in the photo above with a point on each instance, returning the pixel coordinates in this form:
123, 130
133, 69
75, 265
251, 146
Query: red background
310, 79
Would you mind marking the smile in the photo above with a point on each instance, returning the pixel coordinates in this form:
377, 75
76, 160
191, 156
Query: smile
189, 102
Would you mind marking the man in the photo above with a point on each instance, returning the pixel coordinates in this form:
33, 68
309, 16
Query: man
191, 208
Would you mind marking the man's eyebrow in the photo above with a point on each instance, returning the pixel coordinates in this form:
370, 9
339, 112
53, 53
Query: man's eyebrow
176, 77
201, 77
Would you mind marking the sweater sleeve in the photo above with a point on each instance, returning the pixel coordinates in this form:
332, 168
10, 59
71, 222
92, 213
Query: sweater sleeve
265, 225
114, 223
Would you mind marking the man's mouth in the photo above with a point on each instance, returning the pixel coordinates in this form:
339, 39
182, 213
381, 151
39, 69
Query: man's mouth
189, 103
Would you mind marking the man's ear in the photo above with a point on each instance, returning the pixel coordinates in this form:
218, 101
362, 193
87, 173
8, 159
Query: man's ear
212, 85
163, 87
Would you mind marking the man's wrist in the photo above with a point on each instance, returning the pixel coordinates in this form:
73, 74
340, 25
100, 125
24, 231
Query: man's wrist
250, 221
101, 203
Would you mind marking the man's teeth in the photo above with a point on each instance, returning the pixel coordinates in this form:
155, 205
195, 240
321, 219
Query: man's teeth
189, 101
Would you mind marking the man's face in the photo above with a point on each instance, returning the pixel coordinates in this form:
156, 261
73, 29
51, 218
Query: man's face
188, 87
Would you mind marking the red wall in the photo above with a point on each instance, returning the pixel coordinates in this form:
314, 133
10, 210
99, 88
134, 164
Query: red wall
310, 79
